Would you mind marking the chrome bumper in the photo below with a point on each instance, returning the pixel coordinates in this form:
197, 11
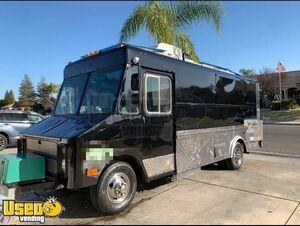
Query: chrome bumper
7, 192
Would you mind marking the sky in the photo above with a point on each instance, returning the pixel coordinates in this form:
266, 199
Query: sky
40, 38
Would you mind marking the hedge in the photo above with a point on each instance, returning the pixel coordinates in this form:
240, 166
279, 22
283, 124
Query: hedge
298, 100
285, 104
275, 105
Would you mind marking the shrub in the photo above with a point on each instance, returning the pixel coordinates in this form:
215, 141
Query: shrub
275, 105
295, 104
289, 104
285, 105
27, 109
298, 100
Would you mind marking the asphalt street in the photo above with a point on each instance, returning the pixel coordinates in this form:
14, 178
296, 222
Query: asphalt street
282, 139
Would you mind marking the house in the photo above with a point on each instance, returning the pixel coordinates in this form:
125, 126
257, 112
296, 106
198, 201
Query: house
290, 84
48, 103
43, 106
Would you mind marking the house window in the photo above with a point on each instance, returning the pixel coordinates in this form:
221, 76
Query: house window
158, 98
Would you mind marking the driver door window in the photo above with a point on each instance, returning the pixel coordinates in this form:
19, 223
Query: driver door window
158, 98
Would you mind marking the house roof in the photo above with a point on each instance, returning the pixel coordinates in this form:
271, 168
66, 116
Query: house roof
9, 105
291, 79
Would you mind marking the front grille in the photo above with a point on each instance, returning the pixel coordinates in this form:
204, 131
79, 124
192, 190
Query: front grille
48, 148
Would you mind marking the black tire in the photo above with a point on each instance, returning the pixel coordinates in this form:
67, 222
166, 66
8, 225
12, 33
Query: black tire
122, 176
236, 161
3, 142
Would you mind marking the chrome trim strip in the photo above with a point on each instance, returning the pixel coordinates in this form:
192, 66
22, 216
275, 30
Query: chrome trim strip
40, 137
184, 133
60, 141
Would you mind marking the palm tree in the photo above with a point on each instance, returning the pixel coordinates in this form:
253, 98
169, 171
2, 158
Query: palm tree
52, 89
247, 72
168, 21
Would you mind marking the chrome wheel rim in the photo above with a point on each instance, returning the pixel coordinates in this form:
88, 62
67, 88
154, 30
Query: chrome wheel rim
2, 143
237, 156
118, 188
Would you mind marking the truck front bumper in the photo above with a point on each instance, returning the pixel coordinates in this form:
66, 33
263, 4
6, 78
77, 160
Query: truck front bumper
7, 192
13, 191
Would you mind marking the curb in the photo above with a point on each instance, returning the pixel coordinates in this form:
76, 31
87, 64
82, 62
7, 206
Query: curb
275, 154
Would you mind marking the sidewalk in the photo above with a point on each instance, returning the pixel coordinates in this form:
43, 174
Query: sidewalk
283, 117
279, 154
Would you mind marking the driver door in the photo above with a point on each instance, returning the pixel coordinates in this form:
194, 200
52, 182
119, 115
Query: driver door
158, 141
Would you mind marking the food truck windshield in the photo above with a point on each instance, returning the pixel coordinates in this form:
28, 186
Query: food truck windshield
94, 93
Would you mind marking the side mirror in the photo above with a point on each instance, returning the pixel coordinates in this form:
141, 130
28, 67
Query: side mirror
135, 99
135, 81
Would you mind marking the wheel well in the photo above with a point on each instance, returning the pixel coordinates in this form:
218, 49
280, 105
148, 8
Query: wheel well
4, 134
134, 164
242, 142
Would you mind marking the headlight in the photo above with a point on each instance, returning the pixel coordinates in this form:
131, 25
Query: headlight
63, 151
63, 159
63, 165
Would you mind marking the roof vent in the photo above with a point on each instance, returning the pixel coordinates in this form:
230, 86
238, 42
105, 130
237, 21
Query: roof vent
169, 50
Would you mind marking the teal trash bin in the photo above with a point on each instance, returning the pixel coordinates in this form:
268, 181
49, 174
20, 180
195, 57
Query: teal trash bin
16, 168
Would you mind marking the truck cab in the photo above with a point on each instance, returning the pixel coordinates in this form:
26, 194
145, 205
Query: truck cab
98, 120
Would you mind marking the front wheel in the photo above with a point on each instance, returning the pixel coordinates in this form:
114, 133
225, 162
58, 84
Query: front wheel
115, 189
237, 158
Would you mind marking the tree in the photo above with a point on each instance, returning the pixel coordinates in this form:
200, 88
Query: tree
269, 84
268, 80
9, 97
42, 88
53, 88
267, 70
26, 91
12, 96
2, 103
167, 21
247, 72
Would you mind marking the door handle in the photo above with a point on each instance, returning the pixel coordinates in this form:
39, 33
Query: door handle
6, 124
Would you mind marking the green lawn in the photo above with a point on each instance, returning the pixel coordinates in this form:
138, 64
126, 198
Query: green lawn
285, 115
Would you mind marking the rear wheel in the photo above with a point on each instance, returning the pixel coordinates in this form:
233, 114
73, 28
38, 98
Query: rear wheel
237, 158
3, 142
115, 189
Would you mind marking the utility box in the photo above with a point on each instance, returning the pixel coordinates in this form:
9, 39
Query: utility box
16, 168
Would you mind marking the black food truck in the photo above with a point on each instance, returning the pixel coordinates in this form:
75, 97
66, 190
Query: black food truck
129, 113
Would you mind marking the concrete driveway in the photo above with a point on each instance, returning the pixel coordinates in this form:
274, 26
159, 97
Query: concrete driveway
266, 190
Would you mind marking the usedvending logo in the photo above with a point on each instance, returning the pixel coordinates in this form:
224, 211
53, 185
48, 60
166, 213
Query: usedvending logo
32, 211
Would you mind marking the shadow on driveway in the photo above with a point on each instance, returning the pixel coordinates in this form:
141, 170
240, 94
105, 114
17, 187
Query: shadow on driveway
77, 203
